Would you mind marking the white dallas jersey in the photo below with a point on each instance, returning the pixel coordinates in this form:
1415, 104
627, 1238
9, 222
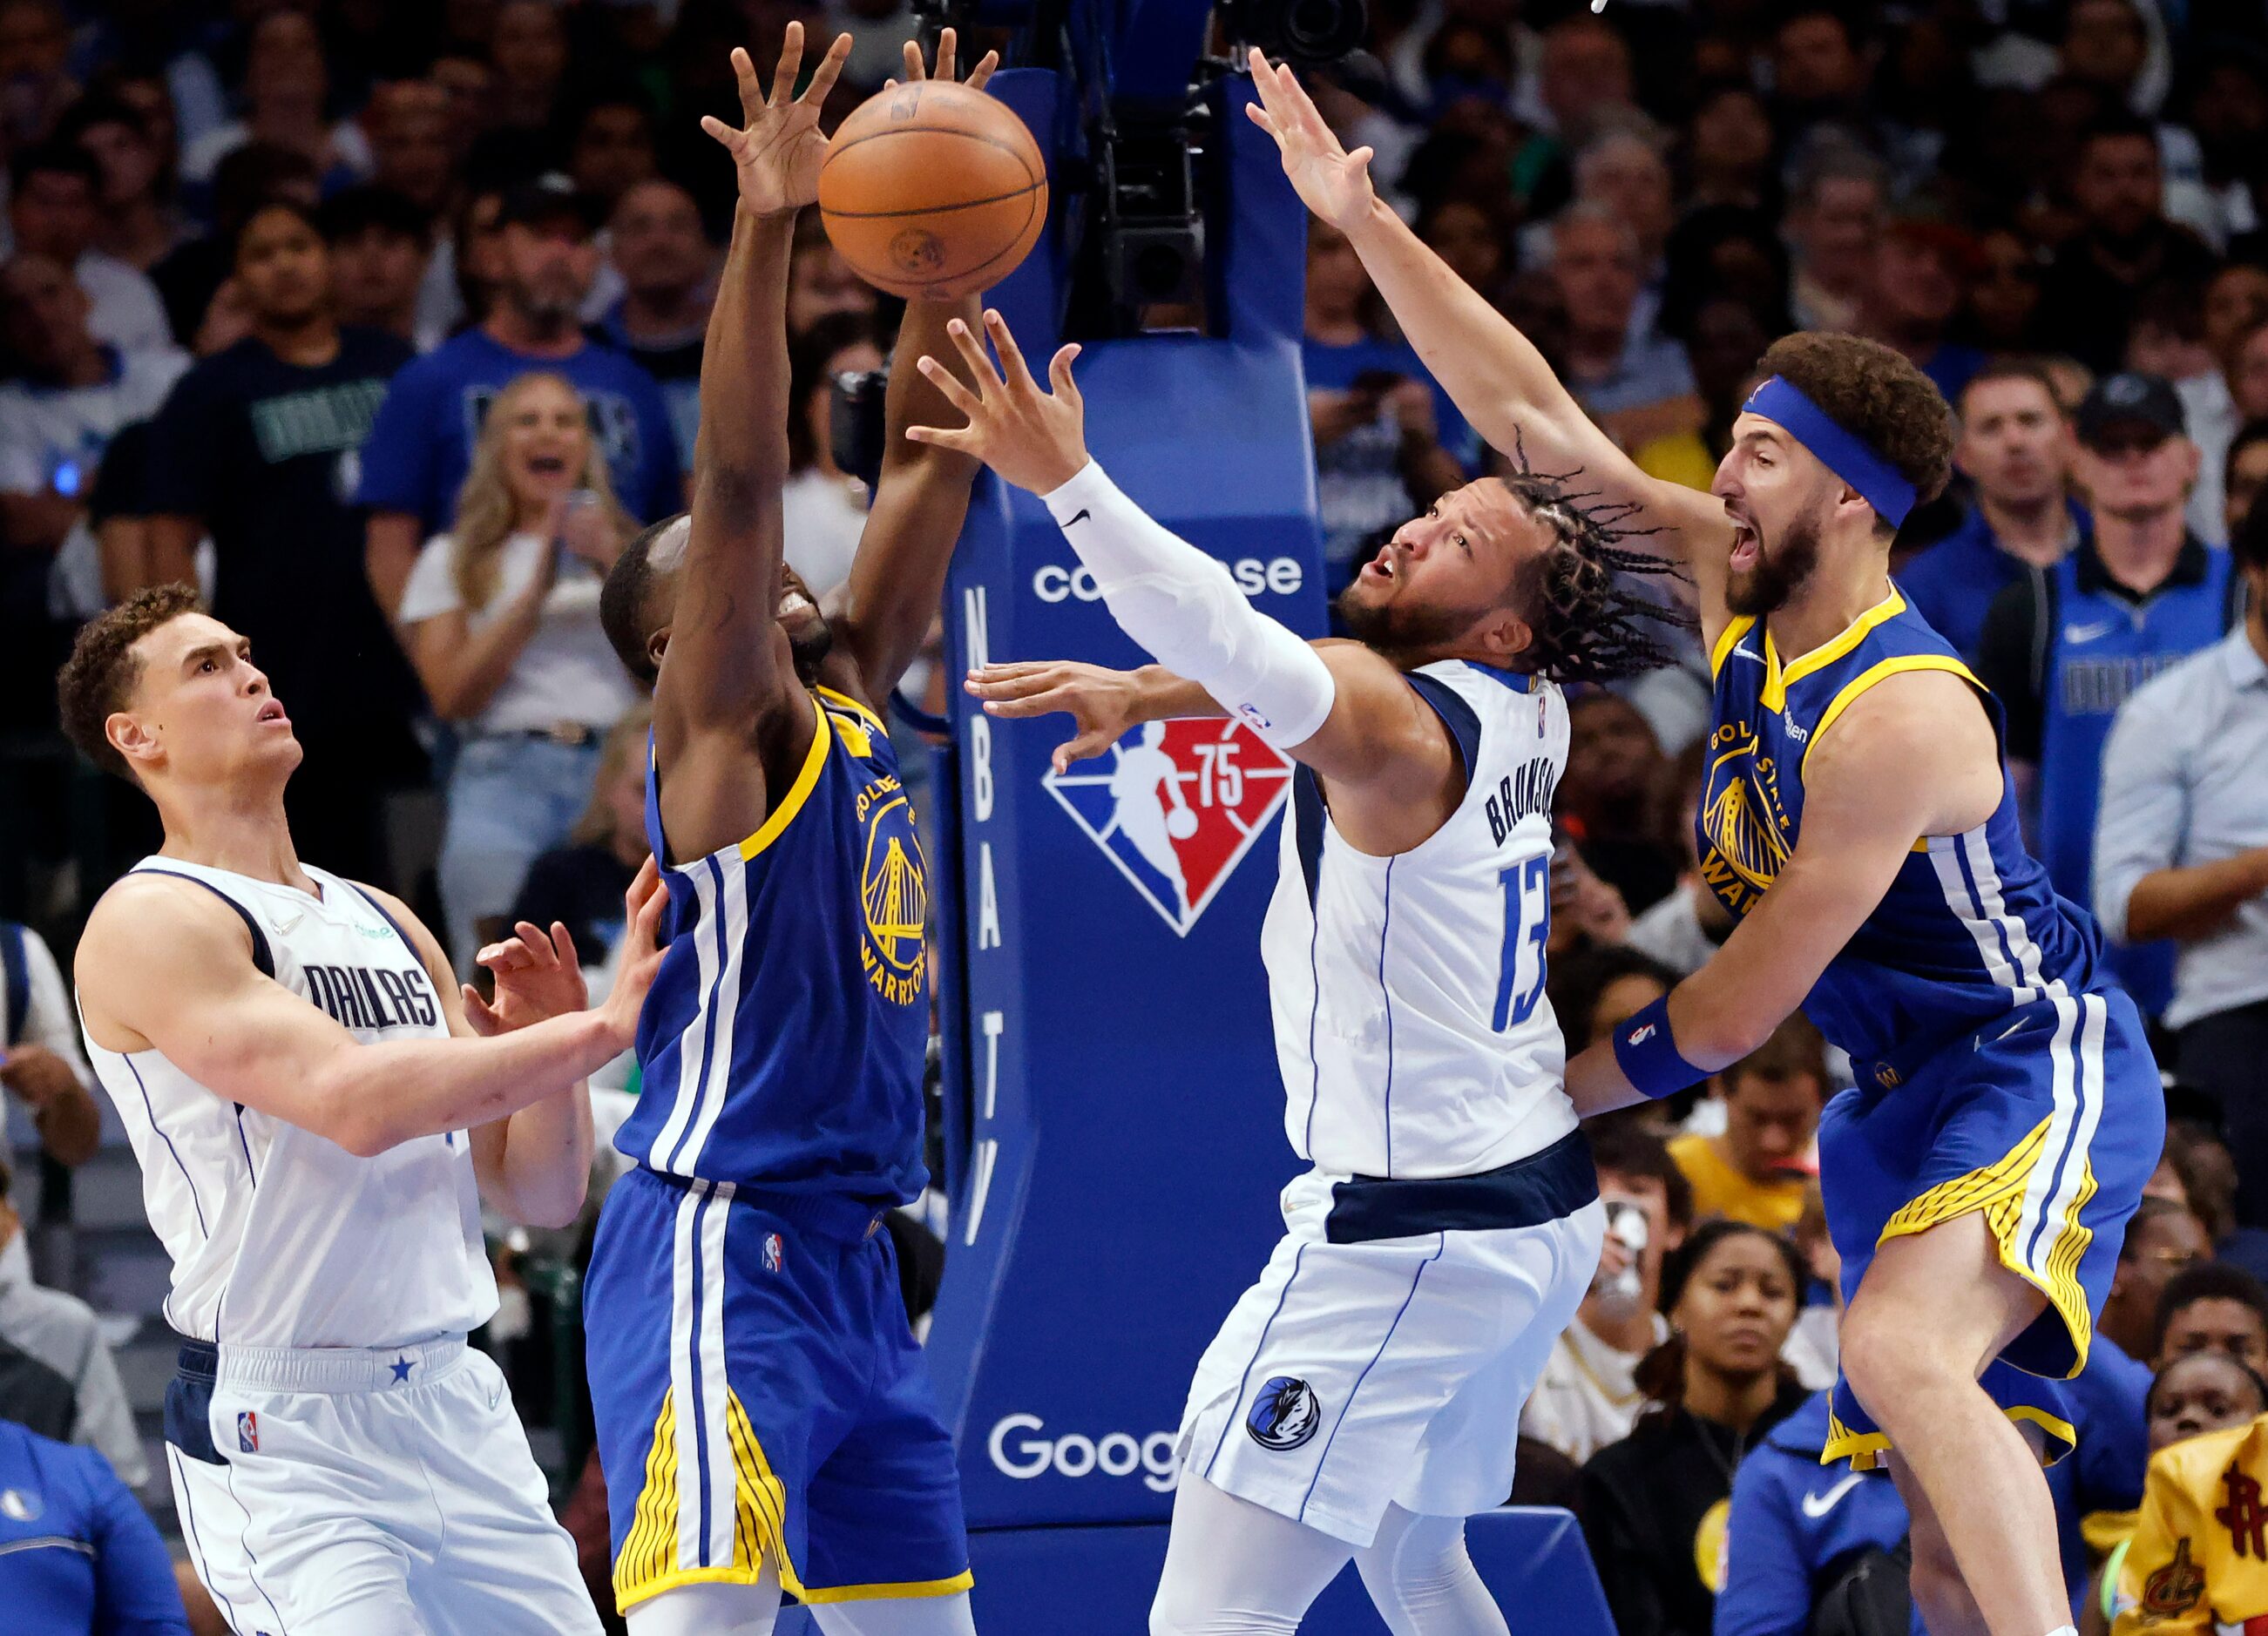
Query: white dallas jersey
1412, 1025
280, 1237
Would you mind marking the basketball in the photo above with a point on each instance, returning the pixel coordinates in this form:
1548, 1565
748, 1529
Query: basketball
1181, 823
933, 190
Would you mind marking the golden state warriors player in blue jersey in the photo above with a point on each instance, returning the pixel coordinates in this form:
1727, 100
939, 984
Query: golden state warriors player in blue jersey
1858, 820
762, 1414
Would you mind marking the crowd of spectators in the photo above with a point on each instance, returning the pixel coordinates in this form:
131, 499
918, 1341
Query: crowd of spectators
382, 322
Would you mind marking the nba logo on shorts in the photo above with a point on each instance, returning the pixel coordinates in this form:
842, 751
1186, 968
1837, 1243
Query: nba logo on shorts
247, 1432
774, 1251
1285, 1415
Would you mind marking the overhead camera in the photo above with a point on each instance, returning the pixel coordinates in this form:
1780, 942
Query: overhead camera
1306, 33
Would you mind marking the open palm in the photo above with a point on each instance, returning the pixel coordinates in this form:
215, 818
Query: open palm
1330, 181
778, 151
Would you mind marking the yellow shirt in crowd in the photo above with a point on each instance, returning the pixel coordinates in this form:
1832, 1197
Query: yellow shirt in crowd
2200, 1560
1720, 1190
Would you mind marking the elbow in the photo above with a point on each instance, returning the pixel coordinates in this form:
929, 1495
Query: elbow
348, 1118
559, 1207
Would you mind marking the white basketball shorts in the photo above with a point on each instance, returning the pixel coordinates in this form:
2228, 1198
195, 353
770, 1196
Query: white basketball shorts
1392, 1369
343, 1492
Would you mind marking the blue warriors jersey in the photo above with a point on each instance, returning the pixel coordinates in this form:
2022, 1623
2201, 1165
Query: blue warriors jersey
1969, 930
782, 1044
2095, 648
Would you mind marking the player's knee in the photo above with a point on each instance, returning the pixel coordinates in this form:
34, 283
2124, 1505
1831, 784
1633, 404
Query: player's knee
1888, 1355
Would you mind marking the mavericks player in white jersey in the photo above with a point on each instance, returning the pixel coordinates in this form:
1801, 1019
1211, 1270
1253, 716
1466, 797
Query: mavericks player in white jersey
1361, 1398
281, 1045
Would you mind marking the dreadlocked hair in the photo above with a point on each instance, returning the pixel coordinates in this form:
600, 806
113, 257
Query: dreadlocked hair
1588, 621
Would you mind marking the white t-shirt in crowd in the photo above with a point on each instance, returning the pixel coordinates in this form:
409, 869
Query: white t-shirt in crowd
567, 673
124, 305
1587, 1396
823, 516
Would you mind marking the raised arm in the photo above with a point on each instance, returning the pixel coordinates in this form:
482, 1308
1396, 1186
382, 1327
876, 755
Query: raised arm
1914, 756
164, 964
1493, 374
897, 580
1390, 767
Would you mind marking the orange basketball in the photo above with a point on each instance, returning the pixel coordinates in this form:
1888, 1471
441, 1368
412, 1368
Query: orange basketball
933, 190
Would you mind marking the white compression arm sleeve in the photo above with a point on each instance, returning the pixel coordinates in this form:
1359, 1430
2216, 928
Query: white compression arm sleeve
1185, 608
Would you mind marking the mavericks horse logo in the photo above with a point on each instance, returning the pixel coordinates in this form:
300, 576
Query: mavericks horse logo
1285, 1415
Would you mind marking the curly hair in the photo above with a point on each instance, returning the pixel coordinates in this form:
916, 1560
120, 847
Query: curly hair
1877, 396
98, 678
1588, 622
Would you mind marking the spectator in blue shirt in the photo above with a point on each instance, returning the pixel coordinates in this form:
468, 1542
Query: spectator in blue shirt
420, 447
2015, 450
77, 1553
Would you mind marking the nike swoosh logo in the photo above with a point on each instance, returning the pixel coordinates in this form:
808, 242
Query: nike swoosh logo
283, 924
2088, 633
1081, 518
1743, 653
1817, 1506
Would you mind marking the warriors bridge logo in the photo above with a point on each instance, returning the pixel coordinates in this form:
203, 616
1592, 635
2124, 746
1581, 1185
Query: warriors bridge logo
1175, 805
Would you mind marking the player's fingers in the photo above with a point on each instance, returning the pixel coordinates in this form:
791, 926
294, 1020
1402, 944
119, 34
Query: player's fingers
1018, 372
983, 73
961, 441
1085, 747
830, 69
540, 951
949, 384
1059, 372
1025, 682
480, 1014
1008, 668
915, 68
565, 942
790, 64
722, 132
947, 49
1263, 77
972, 350
1359, 159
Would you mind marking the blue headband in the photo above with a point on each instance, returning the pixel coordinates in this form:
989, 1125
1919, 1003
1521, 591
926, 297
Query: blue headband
1876, 480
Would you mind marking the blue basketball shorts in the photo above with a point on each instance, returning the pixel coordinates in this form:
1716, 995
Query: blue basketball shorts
2048, 1121
760, 1398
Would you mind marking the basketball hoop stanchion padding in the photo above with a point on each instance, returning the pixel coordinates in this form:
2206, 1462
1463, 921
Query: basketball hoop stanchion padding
1115, 1117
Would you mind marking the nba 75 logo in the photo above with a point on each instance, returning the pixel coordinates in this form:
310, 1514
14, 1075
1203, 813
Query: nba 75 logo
1176, 806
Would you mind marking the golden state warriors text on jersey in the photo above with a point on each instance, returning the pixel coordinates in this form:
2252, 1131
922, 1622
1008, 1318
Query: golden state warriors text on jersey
893, 894
1746, 833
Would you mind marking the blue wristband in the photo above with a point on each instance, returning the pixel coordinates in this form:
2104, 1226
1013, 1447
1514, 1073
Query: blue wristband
1647, 1053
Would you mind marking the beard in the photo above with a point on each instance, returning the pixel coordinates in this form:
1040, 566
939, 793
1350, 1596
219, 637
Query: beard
1779, 573
1400, 634
808, 647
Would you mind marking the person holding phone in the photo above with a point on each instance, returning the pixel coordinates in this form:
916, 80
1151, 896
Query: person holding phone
501, 619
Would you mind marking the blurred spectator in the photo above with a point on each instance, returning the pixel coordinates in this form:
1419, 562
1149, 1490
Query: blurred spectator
2169, 339
580, 883
410, 151
2006, 292
2245, 474
2162, 1241
1379, 421
60, 1332
258, 447
57, 420
137, 223
77, 1556
286, 90
2124, 245
1687, 927
2182, 852
1654, 1505
38, 1399
2097, 1486
54, 203
2213, 1307
1911, 301
1724, 252
1583, 80
467, 264
1466, 235
42, 1062
527, 53
1756, 1170
1819, 71
1834, 220
1623, 169
2062, 648
2190, 1565
1636, 384
820, 281
2015, 450
1607, 797
613, 147
421, 445
1588, 1394
669, 270
822, 507
1797, 1532
190, 278
380, 247
35, 46
2190, 1397
501, 618
1593, 988
1724, 342
1728, 150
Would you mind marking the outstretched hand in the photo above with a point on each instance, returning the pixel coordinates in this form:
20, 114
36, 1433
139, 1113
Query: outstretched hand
1035, 439
1330, 181
947, 50
537, 974
1103, 704
778, 151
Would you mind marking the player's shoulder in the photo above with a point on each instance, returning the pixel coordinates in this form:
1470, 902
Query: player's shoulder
151, 921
